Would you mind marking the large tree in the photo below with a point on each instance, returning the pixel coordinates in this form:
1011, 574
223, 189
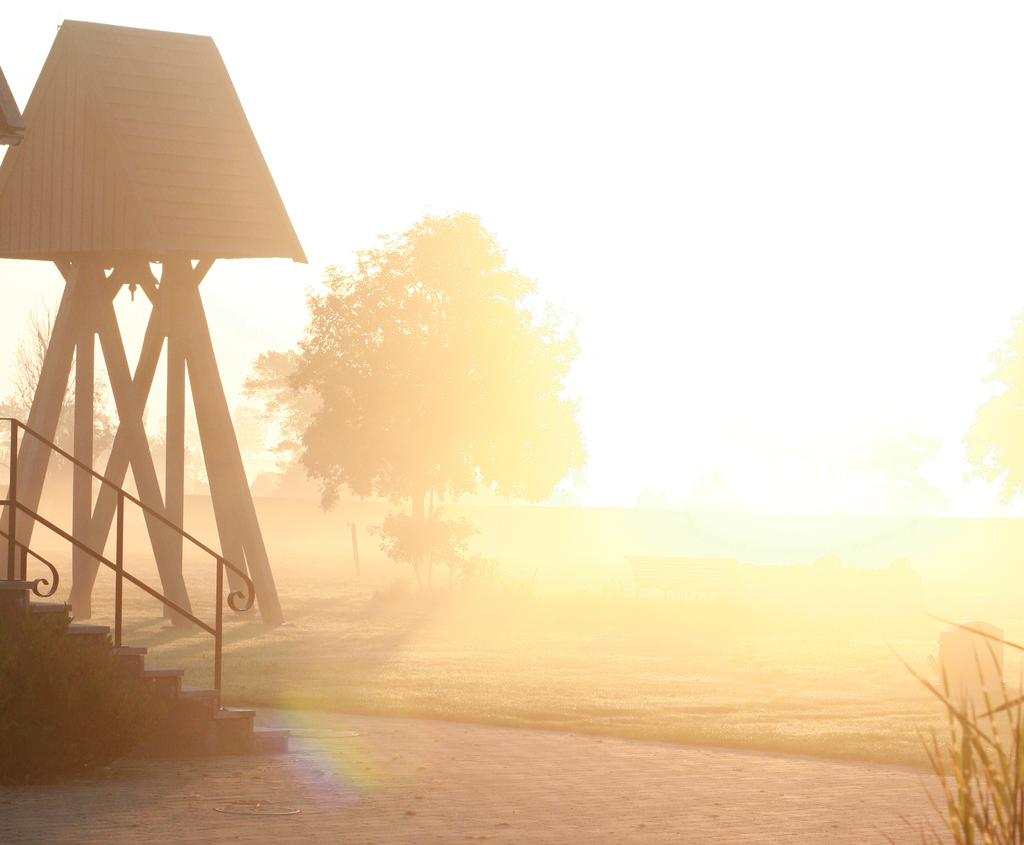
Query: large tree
438, 370
995, 441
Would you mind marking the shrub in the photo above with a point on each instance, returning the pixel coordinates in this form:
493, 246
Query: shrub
437, 540
65, 705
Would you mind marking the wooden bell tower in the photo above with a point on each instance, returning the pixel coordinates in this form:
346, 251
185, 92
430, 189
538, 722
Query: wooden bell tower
137, 155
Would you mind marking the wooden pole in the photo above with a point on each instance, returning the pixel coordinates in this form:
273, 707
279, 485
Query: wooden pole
33, 456
176, 280
355, 547
224, 513
224, 467
174, 460
83, 566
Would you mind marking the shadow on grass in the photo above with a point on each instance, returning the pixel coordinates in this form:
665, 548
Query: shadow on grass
391, 623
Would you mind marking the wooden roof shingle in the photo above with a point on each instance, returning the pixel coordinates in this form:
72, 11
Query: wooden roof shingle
136, 144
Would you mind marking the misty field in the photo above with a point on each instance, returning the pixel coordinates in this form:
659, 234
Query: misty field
648, 668
805, 665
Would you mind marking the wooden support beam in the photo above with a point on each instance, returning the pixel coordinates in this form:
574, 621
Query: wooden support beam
33, 456
152, 343
224, 468
87, 312
83, 566
225, 514
120, 450
96, 529
175, 274
161, 320
129, 415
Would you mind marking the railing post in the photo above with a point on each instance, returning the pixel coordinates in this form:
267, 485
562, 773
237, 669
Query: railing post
218, 643
12, 500
119, 574
24, 563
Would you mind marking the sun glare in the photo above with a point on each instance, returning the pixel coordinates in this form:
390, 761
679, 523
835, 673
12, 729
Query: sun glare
450, 421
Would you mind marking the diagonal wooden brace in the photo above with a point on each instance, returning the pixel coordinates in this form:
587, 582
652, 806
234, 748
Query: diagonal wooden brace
233, 505
129, 414
34, 456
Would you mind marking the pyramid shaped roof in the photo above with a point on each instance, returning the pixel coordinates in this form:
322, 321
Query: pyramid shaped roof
12, 126
136, 145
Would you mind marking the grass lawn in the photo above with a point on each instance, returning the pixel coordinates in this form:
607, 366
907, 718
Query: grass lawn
650, 668
815, 676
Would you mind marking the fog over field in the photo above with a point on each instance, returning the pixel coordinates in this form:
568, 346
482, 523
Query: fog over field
664, 364
800, 651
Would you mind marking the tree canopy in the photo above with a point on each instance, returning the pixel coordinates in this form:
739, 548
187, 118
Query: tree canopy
995, 441
429, 368
438, 369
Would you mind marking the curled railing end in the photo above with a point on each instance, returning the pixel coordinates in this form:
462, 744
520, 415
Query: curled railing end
246, 597
52, 583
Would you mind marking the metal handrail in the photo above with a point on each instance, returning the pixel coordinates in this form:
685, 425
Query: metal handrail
54, 581
16, 423
14, 507
138, 582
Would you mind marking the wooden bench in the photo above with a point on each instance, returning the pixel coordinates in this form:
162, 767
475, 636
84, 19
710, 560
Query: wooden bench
691, 576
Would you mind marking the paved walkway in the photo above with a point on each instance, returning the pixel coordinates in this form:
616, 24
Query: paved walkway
375, 780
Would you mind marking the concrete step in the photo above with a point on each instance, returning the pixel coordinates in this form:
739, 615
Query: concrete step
131, 659
47, 608
13, 594
270, 741
228, 713
198, 703
130, 651
88, 633
233, 731
191, 694
164, 673
85, 630
178, 737
166, 682
187, 729
195, 727
194, 723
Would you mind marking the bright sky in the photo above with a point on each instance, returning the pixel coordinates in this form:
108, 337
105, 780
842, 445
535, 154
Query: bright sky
789, 230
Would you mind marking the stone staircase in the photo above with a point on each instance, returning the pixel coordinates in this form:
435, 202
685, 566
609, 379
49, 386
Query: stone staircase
195, 723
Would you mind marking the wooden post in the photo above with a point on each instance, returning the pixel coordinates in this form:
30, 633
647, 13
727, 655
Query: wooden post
178, 277
224, 467
12, 497
174, 459
355, 547
44, 416
225, 514
83, 566
33, 456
